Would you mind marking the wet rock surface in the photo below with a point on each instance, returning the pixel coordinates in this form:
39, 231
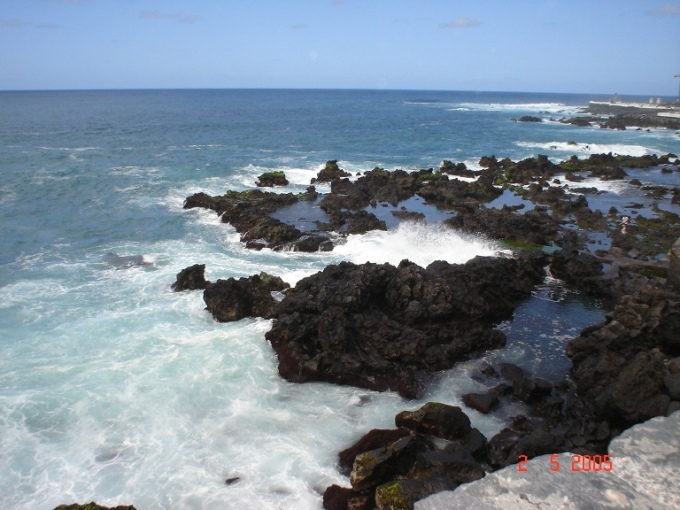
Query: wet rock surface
620, 365
234, 299
271, 179
390, 328
561, 214
384, 327
191, 278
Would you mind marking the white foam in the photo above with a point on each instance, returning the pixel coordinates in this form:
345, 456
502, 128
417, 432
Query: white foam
611, 186
588, 148
419, 243
528, 107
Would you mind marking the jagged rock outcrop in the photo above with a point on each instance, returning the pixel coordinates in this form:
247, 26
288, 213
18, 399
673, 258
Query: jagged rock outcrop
434, 449
191, 278
620, 365
329, 173
674, 266
93, 506
384, 327
271, 179
232, 299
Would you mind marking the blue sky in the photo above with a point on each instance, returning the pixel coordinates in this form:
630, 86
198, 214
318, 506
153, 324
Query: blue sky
598, 46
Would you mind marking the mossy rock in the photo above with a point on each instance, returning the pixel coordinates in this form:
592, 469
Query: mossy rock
403, 494
93, 506
271, 179
331, 172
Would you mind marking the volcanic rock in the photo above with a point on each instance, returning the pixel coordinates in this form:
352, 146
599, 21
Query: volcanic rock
191, 278
674, 267
330, 172
232, 299
620, 365
384, 327
435, 419
642, 474
482, 402
271, 179
376, 438
93, 506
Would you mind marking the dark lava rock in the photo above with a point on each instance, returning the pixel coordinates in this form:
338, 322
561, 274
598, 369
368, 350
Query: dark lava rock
384, 327
529, 118
530, 390
460, 466
232, 299
378, 466
248, 212
376, 438
619, 366
402, 494
419, 464
579, 269
313, 242
511, 372
364, 221
459, 169
482, 402
535, 227
271, 179
435, 419
191, 278
93, 506
409, 216
330, 172
337, 498
506, 447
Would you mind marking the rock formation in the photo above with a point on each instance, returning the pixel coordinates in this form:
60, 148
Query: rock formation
384, 327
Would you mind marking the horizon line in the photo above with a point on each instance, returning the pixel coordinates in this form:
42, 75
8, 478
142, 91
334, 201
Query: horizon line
346, 89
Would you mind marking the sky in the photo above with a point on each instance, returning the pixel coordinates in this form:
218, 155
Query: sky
574, 46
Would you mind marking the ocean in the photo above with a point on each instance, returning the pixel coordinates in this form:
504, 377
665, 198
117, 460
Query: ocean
113, 388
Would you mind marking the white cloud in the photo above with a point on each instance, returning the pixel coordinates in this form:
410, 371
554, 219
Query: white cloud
461, 23
665, 10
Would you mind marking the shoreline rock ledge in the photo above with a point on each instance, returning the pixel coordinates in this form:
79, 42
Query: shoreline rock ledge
645, 468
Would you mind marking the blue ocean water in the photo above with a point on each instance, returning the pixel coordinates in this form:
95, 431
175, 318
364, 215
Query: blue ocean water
115, 389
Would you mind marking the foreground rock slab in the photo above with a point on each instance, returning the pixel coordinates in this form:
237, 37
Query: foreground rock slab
646, 467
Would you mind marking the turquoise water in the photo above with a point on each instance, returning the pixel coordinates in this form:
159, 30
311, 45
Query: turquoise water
113, 388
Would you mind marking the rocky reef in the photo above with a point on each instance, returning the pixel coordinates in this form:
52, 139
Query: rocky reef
383, 327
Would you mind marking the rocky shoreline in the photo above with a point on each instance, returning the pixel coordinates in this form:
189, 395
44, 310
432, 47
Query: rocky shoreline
393, 328
390, 328
621, 116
